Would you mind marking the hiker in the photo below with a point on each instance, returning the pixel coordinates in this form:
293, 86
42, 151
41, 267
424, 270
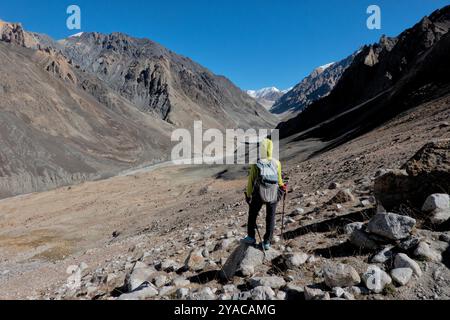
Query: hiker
265, 186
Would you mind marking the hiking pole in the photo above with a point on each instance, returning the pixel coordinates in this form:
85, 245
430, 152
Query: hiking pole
282, 214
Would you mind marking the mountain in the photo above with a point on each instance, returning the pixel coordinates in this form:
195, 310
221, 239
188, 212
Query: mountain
312, 88
163, 83
384, 80
93, 105
267, 96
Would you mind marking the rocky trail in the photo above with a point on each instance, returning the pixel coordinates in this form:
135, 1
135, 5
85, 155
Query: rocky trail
174, 232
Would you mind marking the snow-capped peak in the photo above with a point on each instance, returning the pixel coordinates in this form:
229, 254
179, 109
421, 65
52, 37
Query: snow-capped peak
326, 66
76, 35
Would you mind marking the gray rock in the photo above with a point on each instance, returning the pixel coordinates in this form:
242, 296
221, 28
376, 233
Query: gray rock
401, 276
376, 279
384, 255
297, 212
343, 196
440, 216
167, 291
315, 294
244, 259
142, 294
340, 275
358, 290
391, 225
294, 260
338, 292
273, 282
438, 201
403, 261
445, 237
182, 293
348, 296
362, 240
180, 282
281, 295
205, 293
424, 252
160, 281
141, 273
169, 265
409, 243
262, 293
349, 228
195, 260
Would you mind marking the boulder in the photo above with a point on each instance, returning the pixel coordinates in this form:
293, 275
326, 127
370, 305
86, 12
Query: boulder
392, 226
427, 172
205, 293
315, 294
340, 275
343, 196
273, 282
296, 259
244, 259
349, 228
143, 293
376, 279
140, 274
384, 255
426, 253
160, 280
439, 217
195, 261
262, 293
180, 282
437, 201
401, 276
182, 293
403, 261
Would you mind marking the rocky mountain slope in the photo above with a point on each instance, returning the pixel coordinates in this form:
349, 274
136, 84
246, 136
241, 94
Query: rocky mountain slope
94, 105
135, 237
267, 96
160, 82
314, 87
384, 80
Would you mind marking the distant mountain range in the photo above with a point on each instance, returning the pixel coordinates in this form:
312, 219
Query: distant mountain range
92, 105
312, 88
267, 96
384, 80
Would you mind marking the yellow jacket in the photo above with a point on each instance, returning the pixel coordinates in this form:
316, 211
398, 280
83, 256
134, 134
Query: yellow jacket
267, 149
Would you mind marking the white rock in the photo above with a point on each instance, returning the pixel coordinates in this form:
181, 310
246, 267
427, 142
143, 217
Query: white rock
376, 279
273, 282
392, 226
340, 275
294, 260
424, 252
160, 281
401, 276
384, 255
349, 228
403, 261
182, 293
315, 294
338, 292
205, 293
144, 293
438, 201
262, 293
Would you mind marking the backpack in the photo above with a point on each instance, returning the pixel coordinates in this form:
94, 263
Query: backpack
267, 181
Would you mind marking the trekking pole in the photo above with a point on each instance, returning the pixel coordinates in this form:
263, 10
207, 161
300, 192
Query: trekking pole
282, 215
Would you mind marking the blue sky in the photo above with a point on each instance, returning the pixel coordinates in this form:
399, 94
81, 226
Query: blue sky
255, 43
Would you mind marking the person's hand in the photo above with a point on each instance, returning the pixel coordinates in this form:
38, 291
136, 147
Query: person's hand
248, 199
284, 187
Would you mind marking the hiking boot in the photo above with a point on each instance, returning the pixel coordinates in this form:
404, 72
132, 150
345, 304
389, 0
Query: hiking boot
266, 245
249, 240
